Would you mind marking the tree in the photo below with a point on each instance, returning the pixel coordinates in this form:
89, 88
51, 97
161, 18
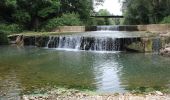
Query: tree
32, 14
7, 8
82, 7
33, 11
103, 21
145, 11
136, 12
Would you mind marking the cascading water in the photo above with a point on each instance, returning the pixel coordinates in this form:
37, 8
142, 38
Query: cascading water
92, 42
64, 42
108, 39
89, 43
108, 28
156, 45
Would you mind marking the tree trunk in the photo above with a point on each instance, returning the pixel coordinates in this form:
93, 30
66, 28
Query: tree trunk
35, 23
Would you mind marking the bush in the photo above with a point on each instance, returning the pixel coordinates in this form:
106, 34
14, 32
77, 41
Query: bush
11, 28
91, 22
3, 38
166, 20
69, 19
22, 17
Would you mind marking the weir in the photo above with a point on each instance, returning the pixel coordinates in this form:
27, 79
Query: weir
108, 28
92, 43
106, 38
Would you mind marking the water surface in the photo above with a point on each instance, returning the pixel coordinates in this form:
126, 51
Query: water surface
29, 68
110, 34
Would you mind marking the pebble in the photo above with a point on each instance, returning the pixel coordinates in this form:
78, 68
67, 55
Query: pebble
84, 96
159, 93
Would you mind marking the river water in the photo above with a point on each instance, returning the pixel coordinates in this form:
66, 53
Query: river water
28, 69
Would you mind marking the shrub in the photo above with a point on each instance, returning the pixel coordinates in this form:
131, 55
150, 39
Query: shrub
10, 28
22, 17
69, 19
100, 21
3, 38
165, 20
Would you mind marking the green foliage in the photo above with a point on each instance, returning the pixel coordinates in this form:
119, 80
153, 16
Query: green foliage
7, 8
100, 21
11, 28
32, 14
69, 19
83, 7
10, 2
103, 21
50, 8
103, 12
166, 20
3, 38
22, 17
145, 11
136, 12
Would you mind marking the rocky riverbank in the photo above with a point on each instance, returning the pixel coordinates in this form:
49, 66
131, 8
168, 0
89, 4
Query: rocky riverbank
165, 51
63, 94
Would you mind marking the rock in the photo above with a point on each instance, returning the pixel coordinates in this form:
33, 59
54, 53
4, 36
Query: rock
165, 34
144, 45
159, 93
167, 49
17, 39
136, 47
25, 97
167, 45
20, 40
147, 42
165, 52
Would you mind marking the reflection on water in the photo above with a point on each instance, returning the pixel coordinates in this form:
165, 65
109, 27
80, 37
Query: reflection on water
106, 68
28, 69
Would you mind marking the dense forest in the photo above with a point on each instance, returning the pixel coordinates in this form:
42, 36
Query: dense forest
146, 11
45, 14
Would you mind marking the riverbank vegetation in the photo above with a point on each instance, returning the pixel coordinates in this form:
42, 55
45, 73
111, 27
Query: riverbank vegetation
44, 15
37, 15
3, 38
146, 11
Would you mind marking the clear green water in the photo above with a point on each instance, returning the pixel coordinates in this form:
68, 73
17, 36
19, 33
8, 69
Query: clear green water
28, 69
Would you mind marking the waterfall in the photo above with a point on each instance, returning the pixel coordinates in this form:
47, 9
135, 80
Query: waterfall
64, 42
156, 45
108, 28
89, 43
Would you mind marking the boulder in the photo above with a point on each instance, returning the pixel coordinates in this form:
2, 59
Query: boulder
19, 40
136, 47
165, 34
147, 42
165, 52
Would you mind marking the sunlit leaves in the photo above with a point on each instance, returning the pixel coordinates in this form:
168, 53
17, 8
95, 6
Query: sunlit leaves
145, 11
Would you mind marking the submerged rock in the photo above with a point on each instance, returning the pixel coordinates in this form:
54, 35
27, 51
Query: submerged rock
165, 52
